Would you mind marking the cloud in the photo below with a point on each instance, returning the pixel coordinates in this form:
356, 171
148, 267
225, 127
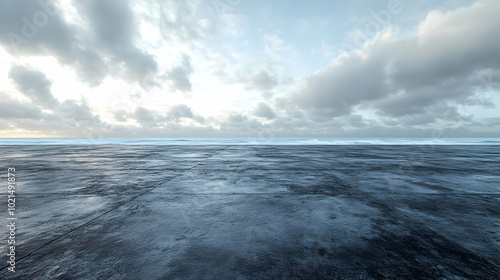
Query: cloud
106, 45
179, 75
145, 117
150, 118
264, 111
241, 125
114, 30
176, 21
120, 115
12, 110
34, 85
408, 77
402, 82
262, 81
78, 112
56, 116
252, 80
39, 28
34, 27
67, 119
179, 111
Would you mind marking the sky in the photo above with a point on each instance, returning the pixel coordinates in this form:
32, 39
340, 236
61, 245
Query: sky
249, 68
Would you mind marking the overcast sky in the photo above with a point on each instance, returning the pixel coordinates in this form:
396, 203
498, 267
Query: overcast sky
249, 68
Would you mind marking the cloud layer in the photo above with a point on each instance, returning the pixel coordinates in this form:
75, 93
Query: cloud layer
191, 69
428, 72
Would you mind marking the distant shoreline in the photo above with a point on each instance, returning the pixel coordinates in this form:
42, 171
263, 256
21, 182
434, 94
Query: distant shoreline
249, 141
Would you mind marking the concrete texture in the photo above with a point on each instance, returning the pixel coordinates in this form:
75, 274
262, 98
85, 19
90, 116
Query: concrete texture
255, 212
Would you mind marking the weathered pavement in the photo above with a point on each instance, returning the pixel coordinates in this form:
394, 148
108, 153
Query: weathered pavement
254, 212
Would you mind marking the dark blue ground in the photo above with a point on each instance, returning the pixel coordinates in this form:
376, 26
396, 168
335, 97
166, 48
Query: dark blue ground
255, 212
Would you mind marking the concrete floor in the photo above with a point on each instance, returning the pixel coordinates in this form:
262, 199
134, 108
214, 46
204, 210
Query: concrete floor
255, 212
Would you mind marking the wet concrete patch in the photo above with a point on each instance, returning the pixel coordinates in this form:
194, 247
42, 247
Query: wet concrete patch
257, 212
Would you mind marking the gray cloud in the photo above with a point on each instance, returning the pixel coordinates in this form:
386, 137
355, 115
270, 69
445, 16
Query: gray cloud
241, 125
264, 111
262, 81
16, 110
68, 119
69, 114
121, 115
149, 118
78, 112
179, 111
34, 85
179, 75
39, 29
336, 89
434, 69
182, 111
34, 28
236, 118
108, 48
145, 117
114, 29
407, 82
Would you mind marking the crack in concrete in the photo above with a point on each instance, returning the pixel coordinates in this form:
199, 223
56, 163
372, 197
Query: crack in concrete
114, 208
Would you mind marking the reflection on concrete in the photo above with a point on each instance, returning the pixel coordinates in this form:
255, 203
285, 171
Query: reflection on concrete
255, 212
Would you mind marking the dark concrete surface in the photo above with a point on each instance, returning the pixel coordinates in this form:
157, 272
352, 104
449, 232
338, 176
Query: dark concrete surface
255, 212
